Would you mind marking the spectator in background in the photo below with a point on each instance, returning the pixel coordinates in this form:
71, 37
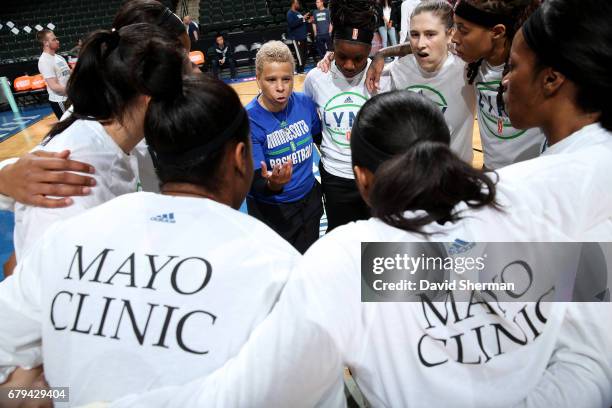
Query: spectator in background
406, 10
387, 18
74, 51
297, 24
192, 30
322, 28
221, 56
55, 71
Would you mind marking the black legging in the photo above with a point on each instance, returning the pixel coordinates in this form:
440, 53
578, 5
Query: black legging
297, 222
343, 203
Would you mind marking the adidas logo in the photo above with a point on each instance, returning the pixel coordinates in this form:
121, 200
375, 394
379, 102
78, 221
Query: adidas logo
459, 247
168, 218
348, 100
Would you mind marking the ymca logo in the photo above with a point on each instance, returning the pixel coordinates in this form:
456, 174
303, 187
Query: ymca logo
339, 114
167, 218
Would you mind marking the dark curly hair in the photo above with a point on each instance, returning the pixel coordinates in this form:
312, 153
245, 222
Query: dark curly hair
355, 13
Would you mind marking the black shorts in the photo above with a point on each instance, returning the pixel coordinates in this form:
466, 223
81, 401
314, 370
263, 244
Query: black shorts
343, 203
297, 222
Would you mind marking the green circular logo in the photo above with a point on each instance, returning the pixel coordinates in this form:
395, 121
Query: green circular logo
339, 115
432, 94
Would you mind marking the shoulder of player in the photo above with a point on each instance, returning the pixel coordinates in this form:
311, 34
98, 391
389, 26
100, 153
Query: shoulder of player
261, 235
315, 81
79, 136
314, 75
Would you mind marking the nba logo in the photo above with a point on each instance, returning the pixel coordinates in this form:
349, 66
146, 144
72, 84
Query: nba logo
355, 33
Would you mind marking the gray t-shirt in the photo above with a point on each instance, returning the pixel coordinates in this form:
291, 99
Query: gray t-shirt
322, 19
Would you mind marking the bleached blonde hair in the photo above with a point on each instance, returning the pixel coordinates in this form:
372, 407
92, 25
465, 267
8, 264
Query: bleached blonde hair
273, 51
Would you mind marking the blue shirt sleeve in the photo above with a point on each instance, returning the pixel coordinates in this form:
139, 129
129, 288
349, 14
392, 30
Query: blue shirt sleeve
257, 142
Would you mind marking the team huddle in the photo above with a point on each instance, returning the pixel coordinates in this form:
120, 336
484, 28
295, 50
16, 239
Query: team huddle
172, 297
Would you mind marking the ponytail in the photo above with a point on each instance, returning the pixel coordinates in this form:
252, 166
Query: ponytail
431, 178
403, 139
115, 67
188, 135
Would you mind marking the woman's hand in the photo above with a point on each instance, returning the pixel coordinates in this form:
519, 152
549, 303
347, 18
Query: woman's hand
279, 176
40, 174
325, 64
373, 75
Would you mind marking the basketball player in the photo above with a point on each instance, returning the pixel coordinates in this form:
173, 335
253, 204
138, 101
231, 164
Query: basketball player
433, 71
483, 36
339, 94
415, 354
109, 104
42, 178
152, 309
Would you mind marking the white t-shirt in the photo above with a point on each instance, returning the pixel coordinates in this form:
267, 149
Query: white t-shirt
448, 88
387, 13
502, 144
140, 292
592, 135
338, 100
146, 172
116, 174
407, 8
410, 355
146, 169
54, 66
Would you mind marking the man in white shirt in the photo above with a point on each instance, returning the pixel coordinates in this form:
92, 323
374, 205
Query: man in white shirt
55, 71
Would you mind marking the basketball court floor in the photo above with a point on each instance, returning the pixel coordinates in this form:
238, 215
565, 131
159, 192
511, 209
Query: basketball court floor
20, 133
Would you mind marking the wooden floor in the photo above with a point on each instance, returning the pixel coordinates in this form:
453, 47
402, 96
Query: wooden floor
24, 141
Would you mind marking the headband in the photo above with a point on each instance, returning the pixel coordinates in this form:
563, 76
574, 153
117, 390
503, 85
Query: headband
198, 152
359, 35
482, 17
371, 157
541, 43
163, 17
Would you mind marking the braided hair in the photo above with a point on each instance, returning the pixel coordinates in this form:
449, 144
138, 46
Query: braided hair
518, 10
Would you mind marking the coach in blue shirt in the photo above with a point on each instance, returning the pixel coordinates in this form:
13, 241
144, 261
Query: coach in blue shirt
284, 124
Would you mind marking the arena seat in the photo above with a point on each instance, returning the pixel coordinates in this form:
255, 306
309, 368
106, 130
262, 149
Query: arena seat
197, 57
37, 82
22, 83
71, 19
242, 55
